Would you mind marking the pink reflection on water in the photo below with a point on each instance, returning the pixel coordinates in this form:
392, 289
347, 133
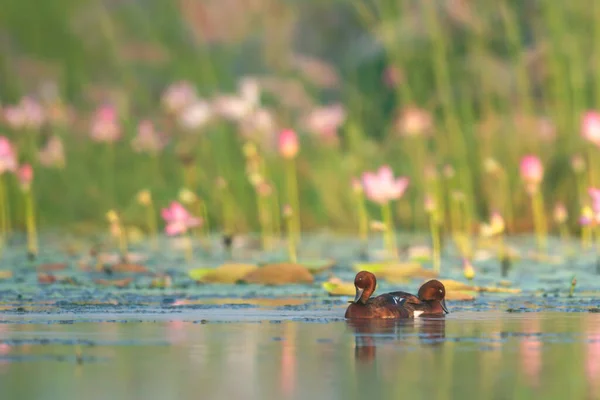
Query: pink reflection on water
530, 351
592, 360
288, 362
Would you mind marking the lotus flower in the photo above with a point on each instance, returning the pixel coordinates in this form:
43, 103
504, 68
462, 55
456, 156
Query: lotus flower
8, 159
53, 153
325, 121
25, 176
288, 144
178, 96
595, 195
195, 115
178, 219
414, 121
28, 114
532, 172
233, 107
560, 213
590, 127
381, 187
105, 125
148, 139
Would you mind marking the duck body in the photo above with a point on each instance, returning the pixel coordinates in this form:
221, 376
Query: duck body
385, 306
395, 305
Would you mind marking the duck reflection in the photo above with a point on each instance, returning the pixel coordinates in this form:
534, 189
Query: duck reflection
368, 333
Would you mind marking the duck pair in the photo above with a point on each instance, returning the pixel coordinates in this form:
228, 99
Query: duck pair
430, 301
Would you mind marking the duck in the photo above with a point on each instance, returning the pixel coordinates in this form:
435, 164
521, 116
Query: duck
430, 300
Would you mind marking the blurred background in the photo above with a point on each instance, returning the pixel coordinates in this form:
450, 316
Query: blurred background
106, 98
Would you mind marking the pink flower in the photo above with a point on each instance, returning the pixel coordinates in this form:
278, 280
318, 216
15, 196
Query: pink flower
28, 114
595, 195
381, 187
178, 219
590, 127
325, 121
25, 176
414, 121
53, 153
105, 125
288, 144
195, 115
532, 172
8, 159
148, 139
178, 96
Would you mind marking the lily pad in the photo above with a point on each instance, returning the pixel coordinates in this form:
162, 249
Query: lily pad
128, 268
5, 274
52, 267
280, 274
226, 273
317, 266
337, 287
460, 295
114, 282
46, 279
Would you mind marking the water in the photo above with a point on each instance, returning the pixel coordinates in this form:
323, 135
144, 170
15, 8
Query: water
263, 353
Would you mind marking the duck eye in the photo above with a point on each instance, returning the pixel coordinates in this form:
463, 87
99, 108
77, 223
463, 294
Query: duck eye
441, 291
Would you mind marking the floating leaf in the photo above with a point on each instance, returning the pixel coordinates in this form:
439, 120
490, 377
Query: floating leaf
460, 295
116, 283
226, 273
52, 267
128, 268
336, 287
5, 274
161, 282
452, 285
317, 266
46, 279
280, 274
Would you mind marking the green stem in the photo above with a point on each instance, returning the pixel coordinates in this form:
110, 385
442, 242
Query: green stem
110, 174
539, 219
363, 218
435, 239
591, 166
290, 240
389, 236
152, 226
3, 215
292, 187
189, 249
32, 241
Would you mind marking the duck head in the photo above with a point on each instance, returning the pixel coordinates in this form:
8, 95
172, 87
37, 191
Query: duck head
434, 292
365, 283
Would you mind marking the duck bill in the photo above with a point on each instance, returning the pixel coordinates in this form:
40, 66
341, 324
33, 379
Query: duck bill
443, 303
359, 293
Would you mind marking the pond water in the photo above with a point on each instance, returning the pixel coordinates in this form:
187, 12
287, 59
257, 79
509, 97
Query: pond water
267, 353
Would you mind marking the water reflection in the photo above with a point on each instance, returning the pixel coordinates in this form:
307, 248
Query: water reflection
501, 355
367, 334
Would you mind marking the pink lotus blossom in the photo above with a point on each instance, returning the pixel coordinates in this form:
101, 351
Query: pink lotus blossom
288, 144
325, 121
232, 107
178, 219
8, 158
28, 114
195, 115
249, 89
148, 139
178, 96
590, 127
260, 122
381, 187
105, 125
414, 121
25, 176
532, 172
560, 213
53, 153
595, 195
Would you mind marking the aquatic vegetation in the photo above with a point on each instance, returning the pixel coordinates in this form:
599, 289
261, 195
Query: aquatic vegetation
178, 222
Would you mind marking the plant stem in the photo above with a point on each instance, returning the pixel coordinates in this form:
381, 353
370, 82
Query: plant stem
290, 240
363, 217
292, 188
189, 249
435, 239
389, 235
32, 241
151, 220
591, 166
539, 219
